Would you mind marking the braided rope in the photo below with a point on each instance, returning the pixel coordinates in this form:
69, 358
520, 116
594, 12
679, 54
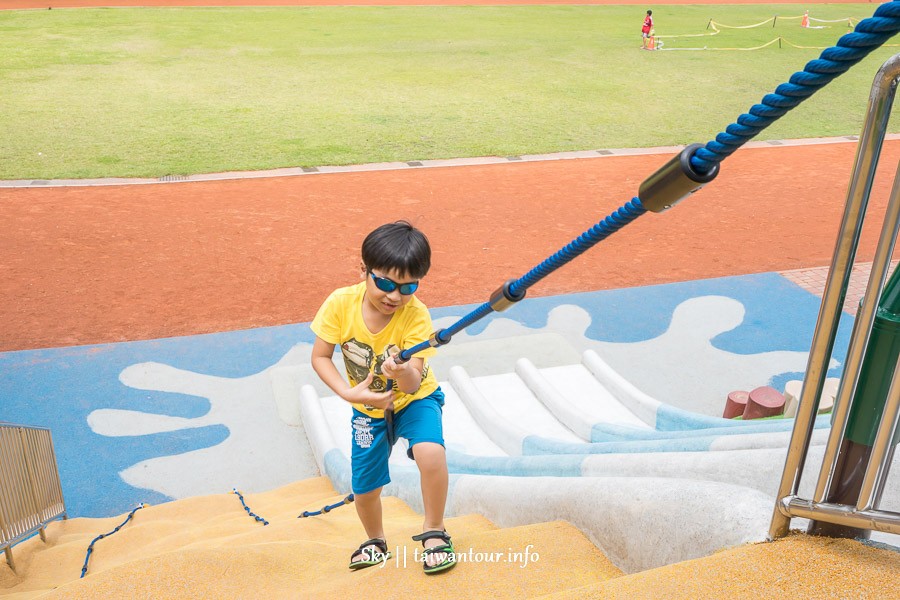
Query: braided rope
475, 315
587, 240
90, 549
247, 508
326, 509
851, 48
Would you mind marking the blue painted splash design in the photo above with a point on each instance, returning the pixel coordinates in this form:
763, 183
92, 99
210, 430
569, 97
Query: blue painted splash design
60, 387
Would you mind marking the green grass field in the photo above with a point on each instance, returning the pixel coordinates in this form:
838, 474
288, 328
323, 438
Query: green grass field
151, 92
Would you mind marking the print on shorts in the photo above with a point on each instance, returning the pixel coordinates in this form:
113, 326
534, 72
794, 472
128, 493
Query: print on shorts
362, 432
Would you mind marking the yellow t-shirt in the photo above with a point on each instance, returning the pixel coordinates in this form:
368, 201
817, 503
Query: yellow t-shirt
340, 321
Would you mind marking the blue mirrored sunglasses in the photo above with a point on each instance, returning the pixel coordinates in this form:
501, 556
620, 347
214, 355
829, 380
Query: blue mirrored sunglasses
387, 285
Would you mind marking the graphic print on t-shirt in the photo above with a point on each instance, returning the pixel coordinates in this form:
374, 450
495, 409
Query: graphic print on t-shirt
358, 358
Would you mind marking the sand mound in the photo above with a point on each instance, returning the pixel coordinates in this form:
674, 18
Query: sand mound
208, 547
798, 567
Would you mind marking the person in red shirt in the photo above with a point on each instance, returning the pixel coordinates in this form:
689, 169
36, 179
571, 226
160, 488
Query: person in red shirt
646, 29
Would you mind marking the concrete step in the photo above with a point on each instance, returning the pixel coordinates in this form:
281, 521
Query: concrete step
528, 431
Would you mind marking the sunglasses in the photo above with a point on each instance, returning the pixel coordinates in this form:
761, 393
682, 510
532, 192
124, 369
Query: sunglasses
387, 285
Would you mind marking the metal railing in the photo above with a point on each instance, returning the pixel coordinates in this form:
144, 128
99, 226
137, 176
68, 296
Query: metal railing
863, 513
30, 491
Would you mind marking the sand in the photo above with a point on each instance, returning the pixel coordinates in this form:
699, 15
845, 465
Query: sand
209, 547
797, 567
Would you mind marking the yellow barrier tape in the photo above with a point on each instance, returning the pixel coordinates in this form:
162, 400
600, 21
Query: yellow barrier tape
848, 20
765, 46
715, 32
804, 47
769, 20
705, 48
823, 47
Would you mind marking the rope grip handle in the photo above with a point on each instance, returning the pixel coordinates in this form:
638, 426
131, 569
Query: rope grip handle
674, 181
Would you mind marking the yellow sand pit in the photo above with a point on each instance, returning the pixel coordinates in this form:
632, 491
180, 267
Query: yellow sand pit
208, 547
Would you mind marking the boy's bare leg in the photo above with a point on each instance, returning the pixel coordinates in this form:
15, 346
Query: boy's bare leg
368, 507
431, 458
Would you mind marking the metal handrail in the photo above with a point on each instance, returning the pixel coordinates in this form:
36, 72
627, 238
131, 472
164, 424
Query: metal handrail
788, 504
30, 490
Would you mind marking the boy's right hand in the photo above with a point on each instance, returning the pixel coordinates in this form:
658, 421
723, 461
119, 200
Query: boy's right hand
361, 394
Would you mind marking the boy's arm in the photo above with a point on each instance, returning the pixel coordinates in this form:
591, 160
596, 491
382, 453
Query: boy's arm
328, 373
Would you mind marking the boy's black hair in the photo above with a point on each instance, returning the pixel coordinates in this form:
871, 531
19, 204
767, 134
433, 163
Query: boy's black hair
399, 246
649, 12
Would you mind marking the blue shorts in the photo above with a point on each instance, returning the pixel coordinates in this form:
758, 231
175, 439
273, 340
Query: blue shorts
419, 421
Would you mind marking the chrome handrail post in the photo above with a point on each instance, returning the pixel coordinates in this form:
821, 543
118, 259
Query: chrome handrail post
881, 99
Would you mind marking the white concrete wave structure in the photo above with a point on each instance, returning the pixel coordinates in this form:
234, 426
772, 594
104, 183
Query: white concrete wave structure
649, 483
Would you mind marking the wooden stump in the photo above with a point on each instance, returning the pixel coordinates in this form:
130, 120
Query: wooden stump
829, 393
792, 390
736, 404
763, 402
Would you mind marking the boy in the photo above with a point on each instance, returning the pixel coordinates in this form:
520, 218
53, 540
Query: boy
646, 29
372, 321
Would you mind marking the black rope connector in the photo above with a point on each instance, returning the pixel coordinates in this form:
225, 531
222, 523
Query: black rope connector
437, 338
503, 298
674, 181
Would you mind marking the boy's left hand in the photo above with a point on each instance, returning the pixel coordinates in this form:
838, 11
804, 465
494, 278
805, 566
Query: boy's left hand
392, 369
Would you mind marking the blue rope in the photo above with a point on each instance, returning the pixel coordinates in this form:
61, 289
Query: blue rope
851, 48
328, 508
100, 537
475, 315
587, 240
247, 508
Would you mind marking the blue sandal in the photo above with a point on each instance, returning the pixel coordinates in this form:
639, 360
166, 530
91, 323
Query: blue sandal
372, 557
447, 547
